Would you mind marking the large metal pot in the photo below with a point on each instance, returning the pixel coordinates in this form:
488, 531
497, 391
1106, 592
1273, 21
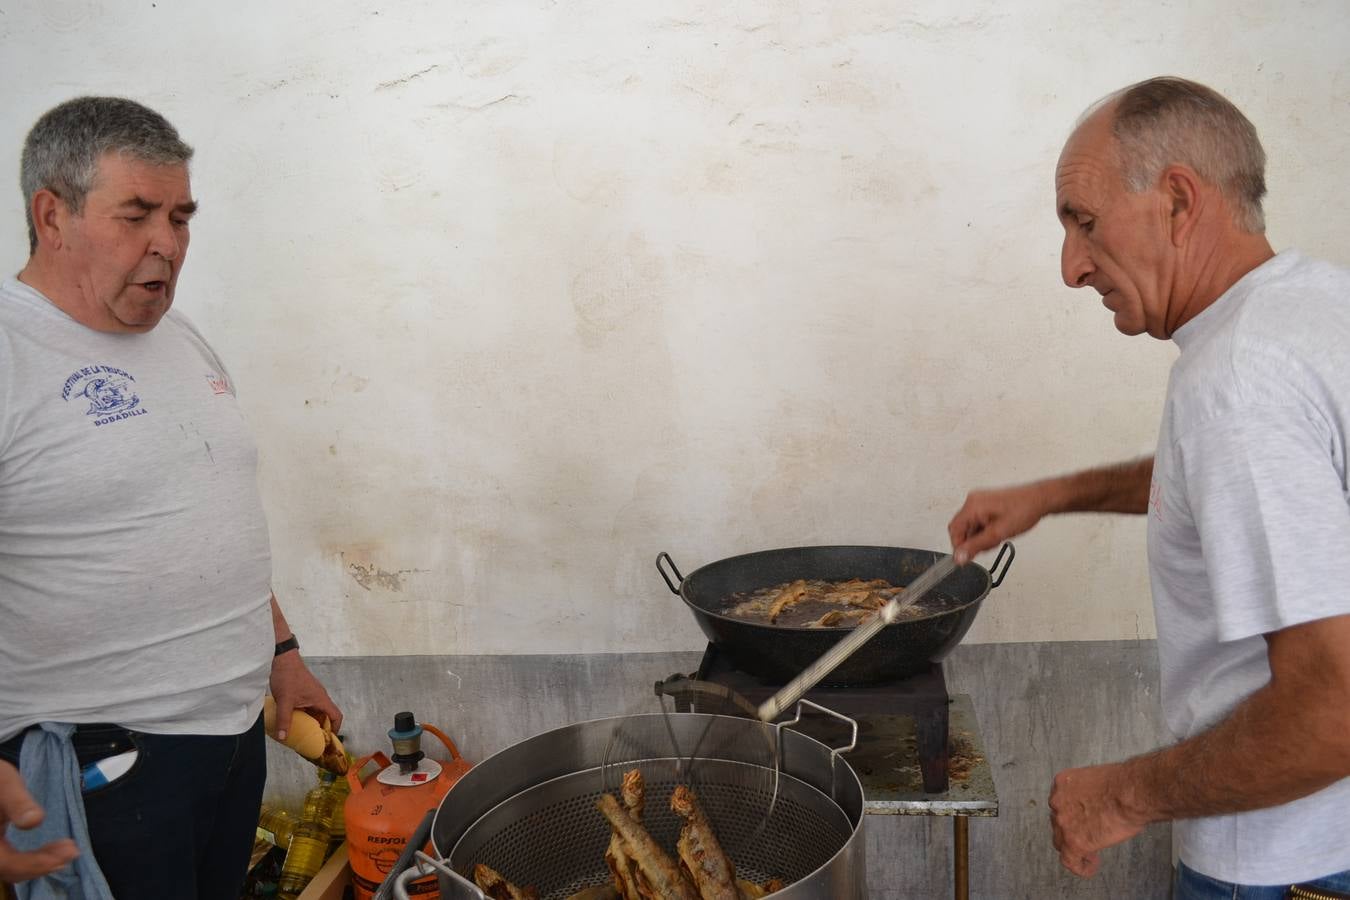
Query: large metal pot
529, 811
779, 653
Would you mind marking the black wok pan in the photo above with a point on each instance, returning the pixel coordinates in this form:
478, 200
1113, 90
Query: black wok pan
778, 653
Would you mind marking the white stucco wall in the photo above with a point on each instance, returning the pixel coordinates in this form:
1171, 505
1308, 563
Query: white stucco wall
519, 294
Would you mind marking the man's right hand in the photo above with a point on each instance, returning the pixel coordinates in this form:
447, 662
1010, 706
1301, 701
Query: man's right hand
990, 517
17, 807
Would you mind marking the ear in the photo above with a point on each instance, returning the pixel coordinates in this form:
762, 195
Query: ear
50, 219
1182, 188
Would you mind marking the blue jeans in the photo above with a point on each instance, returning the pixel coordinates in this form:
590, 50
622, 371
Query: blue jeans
180, 824
1191, 885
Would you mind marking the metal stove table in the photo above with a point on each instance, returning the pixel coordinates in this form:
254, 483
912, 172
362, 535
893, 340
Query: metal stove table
887, 764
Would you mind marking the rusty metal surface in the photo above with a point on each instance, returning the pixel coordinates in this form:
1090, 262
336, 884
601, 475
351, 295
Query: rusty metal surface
888, 766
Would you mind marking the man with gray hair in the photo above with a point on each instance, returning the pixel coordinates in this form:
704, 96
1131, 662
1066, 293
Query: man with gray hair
1159, 192
140, 628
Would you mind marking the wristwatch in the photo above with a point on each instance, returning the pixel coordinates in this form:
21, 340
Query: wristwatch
289, 644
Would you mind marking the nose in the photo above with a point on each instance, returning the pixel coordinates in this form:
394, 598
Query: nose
1075, 262
165, 240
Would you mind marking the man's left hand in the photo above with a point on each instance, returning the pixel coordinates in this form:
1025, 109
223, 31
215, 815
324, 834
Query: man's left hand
1089, 814
294, 686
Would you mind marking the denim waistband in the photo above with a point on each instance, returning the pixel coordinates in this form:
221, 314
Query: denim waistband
92, 742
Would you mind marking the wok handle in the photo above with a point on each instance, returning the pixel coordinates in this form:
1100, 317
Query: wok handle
663, 555
1012, 552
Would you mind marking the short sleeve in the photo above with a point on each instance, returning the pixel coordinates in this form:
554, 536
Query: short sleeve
1273, 518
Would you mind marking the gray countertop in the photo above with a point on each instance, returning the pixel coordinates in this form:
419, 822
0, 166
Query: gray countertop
888, 765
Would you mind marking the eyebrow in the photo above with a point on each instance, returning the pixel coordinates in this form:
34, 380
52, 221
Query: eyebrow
186, 209
1068, 211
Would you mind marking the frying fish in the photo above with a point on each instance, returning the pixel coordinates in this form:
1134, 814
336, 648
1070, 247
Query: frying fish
666, 881
620, 862
790, 595
491, 882
700, 853
603, 892
807, 602
868, 600
839, 617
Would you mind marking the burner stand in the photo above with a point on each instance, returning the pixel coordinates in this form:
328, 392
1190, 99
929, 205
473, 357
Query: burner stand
922, 697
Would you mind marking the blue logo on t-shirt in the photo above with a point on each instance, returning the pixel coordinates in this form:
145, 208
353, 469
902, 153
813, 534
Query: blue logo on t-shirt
110, 391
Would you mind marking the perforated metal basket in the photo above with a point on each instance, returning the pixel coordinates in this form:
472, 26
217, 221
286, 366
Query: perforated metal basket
529, 812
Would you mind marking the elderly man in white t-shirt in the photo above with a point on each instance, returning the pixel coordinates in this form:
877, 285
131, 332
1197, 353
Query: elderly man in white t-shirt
1159, 191
135, 570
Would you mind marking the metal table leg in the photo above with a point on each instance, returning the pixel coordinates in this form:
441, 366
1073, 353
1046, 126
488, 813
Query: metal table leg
961, 856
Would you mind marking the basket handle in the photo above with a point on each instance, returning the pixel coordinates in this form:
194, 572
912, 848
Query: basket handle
354, 770
835, 752
425, 866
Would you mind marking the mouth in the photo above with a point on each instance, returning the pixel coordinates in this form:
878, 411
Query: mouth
154, 287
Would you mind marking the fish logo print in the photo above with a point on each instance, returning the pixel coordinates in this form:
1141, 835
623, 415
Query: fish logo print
110, 393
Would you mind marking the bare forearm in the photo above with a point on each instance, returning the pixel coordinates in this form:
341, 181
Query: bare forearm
292, 683
279, 627
1270, 750
989, 517
1120, 488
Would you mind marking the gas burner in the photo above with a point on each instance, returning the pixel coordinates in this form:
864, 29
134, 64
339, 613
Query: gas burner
923, 697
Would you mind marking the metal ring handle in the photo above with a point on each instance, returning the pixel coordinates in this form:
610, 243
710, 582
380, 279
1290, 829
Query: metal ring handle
426, 866
851, 723
1012, 552
663, 555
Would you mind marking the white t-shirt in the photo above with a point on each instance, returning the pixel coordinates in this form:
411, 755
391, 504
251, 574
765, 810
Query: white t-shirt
1249, 533
134, 562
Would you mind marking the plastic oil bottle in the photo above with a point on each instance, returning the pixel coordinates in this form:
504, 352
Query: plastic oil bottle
276, 827
309, 840
337, 789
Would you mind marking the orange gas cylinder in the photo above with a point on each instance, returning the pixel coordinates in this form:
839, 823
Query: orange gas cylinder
383, 811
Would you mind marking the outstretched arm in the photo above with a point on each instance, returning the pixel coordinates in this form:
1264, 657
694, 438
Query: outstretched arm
990, 517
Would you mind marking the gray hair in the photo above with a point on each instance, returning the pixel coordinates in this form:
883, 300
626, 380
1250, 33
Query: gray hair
1165, 121
62, 151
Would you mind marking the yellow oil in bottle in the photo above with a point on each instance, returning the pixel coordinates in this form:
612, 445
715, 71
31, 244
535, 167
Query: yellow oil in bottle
309, 848
311, 839
321, 803
339, 789
276, 827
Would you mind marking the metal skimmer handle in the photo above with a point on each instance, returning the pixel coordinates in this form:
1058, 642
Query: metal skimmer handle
831, 659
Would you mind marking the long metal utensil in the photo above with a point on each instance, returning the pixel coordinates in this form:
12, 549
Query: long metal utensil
831, 659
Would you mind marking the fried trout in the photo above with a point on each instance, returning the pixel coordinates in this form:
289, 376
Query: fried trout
700, 853
491, 882
621, 864
664, 878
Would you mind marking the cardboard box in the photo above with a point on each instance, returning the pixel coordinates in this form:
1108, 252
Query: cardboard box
332, 879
